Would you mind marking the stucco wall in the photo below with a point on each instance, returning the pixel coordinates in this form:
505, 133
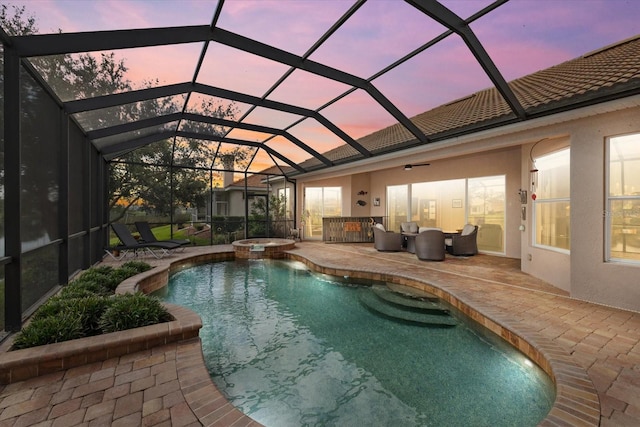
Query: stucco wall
583, 272
547, 264
592, 279
498, 162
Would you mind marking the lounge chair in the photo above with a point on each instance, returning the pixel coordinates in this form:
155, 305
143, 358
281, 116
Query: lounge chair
147, 235
129, 244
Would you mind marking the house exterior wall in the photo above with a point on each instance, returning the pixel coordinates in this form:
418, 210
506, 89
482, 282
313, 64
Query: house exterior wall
593, 279
343, 182
497, 162
506, 151
360, 183
236, 203
550, 265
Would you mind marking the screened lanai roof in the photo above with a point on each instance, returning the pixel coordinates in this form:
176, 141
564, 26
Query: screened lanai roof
315, 84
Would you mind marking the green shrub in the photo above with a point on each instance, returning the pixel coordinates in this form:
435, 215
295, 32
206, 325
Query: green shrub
84, 308
53, 307
70, 291
79, 288
133, 311
107, 277
137, 266
49, 330
88, 309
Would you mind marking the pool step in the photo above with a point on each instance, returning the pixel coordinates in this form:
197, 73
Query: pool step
412, 292
409, 302
406, 313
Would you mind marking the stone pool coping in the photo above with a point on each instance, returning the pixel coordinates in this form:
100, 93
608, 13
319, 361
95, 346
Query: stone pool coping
576, 400
262, 248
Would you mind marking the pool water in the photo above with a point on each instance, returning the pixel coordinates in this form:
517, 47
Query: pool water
292, 348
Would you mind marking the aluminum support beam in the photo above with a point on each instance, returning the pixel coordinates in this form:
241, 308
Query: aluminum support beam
63, 198
446, 17
12, 202
55, 44
117, 99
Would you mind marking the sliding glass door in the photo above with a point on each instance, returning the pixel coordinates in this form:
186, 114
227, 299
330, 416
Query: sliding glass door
451, 204
320, 202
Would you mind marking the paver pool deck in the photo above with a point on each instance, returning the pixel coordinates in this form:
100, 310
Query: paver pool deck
169, 385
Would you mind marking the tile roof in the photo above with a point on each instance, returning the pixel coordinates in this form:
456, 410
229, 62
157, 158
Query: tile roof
256, 180
610, 72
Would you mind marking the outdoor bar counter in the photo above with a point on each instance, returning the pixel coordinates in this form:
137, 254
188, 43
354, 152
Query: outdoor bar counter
348, 229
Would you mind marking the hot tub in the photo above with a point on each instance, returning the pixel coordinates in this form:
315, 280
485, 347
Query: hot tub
262, 247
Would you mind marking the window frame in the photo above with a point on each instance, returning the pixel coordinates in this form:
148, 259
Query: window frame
608, 211
542, 201
410, 187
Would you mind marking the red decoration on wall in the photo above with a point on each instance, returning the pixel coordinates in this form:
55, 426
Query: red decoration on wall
533, 196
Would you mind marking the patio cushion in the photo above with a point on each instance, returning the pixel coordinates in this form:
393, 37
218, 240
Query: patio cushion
468, 229
421, 229
409, 227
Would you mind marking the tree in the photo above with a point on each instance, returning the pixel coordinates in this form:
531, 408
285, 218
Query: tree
274, 218
144, 176
84, 75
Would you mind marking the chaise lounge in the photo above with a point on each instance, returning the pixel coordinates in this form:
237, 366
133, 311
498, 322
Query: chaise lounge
146, 234
130, 244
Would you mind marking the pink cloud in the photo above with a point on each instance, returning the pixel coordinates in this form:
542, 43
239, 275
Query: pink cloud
248, 135
288, 149
316, 135
239, 71
265, 19
358, 114
366, 43
307, 90
272, 118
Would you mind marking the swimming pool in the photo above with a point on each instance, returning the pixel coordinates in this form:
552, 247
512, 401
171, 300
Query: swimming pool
289, 347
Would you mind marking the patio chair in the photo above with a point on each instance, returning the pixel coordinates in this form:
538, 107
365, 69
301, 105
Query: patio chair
130, 244
386, 240
464, 243
148, 237
409, 227
429, 245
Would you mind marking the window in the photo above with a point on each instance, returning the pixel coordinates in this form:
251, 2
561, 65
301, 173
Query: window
623, 202
551, 208
397, 206
451, 204
222, 208
487, 210
320, 202
439, 204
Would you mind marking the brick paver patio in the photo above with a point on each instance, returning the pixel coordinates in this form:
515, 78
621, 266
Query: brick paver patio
169, 385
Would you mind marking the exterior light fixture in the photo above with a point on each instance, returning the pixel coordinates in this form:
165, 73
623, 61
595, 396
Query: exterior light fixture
409, 167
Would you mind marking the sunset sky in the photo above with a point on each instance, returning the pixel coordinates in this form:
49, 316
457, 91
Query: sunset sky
522, 36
